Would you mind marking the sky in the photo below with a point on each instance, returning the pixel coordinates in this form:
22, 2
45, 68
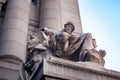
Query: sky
102, 19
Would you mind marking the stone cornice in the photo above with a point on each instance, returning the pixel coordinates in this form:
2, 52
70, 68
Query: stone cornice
76, 66
33, 23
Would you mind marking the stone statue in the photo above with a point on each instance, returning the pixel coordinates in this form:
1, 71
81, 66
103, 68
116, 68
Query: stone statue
70, 46
64, 44
37, 49
79, 48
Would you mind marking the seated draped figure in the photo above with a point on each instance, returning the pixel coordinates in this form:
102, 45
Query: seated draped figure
66, 45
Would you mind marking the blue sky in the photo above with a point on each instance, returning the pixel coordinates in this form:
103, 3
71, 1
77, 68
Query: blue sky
102, 19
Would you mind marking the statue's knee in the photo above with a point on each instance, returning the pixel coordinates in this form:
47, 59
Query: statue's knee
89, 34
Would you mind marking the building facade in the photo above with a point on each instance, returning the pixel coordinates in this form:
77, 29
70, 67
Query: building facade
20, 18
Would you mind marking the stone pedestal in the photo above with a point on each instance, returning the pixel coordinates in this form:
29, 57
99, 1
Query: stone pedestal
60, 69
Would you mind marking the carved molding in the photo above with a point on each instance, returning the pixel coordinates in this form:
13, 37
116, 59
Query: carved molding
11, 59
66, 66
33, 23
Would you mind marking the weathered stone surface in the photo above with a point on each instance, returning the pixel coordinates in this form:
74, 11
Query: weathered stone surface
15, 28
13, 37
71, 13
44, 43
63, 69
55, 13
52, 14
9, 67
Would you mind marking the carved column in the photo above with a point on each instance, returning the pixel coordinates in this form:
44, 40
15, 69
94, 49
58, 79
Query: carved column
55, 13
50, 14
15, 28
70, 12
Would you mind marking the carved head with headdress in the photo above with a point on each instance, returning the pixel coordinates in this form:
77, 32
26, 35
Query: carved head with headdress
69, 27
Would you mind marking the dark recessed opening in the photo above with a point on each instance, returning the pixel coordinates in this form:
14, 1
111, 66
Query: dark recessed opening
34, 2
3, 8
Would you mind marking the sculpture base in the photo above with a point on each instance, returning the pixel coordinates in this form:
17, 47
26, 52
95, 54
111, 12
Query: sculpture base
60, 69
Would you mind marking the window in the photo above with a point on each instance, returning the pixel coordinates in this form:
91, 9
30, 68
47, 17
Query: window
3, 8
34, 2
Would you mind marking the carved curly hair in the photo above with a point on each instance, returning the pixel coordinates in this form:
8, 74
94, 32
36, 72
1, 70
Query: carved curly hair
70, 23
